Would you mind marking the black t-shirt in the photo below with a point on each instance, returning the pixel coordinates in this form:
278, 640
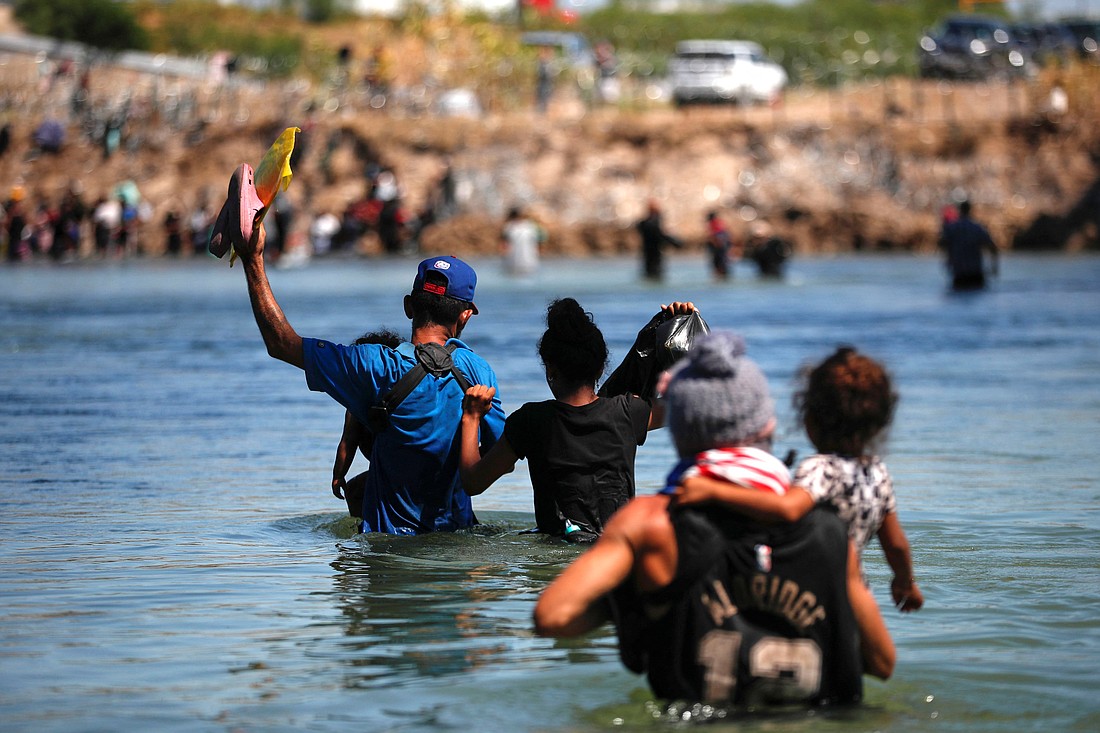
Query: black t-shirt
581, 459
756, 614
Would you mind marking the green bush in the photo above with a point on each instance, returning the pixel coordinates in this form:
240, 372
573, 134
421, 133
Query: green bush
102, 24
268, 43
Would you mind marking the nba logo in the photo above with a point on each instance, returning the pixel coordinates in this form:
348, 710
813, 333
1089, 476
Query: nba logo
764, 558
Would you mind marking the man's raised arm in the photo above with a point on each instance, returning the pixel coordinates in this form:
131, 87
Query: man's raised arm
282, 341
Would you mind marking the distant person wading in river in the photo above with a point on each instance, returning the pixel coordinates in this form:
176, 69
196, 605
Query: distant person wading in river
521, 239
654, 239
963, 241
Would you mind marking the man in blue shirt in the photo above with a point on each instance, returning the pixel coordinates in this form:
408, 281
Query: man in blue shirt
413, 485
963, 241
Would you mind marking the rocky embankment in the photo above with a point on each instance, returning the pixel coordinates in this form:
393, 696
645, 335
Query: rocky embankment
865, 168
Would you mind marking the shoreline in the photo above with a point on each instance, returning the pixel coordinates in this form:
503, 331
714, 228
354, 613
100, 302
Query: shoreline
864, 168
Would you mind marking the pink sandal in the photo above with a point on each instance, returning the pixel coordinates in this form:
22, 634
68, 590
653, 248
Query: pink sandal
238, 214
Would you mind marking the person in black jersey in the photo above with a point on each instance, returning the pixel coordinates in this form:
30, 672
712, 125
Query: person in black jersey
714, 607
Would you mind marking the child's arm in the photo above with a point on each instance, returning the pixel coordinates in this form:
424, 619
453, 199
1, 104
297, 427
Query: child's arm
478, 473
876, 645
907, 596
345, 453
753, 503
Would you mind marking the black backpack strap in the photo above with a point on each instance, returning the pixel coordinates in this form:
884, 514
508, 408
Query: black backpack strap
460, 378
430, 358
438, 361
379, 415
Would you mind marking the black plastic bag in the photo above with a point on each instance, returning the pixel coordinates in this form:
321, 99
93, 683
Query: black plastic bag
659, 345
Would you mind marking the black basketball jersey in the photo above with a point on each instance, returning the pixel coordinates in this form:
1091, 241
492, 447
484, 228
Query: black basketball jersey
754, 615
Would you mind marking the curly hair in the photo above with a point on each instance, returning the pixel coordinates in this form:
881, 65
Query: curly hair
845, 403
573, 343
383, 336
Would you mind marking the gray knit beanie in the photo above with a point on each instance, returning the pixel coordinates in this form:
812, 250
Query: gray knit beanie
717, 397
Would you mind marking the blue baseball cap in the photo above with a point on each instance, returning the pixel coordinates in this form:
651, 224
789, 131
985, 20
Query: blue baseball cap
461, 278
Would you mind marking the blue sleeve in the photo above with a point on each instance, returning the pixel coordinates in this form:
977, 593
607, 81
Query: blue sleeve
354, 376
478, 371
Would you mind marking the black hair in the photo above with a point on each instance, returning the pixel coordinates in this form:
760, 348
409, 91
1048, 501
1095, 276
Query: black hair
383, 336
432, 308
573, 343
964, 208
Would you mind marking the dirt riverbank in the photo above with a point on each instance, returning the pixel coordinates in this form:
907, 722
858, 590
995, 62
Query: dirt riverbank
868, 167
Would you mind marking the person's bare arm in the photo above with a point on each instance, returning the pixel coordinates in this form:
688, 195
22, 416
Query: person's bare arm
282, 341
637, 542
480, 472
903, 588
575, 602
753, 503
875, 643
345, 453
657, 412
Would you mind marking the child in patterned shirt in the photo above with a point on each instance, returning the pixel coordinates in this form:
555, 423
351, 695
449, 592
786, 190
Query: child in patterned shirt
846, 403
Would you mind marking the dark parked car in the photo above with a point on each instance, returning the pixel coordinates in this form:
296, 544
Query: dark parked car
1087, 33
1045, 43
972, 47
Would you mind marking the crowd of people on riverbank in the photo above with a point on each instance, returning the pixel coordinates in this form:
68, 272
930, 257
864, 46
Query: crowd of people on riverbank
71, 227
121, 221
123, 224
74, 106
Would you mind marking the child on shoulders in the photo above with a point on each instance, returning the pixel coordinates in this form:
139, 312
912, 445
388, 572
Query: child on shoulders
845, 404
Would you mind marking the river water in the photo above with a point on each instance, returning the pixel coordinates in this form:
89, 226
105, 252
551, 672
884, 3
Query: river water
171, 557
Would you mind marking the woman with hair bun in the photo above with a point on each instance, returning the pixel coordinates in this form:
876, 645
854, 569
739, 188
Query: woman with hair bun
579, 447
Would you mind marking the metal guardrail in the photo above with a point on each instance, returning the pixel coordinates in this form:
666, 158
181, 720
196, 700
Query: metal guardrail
195, 68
